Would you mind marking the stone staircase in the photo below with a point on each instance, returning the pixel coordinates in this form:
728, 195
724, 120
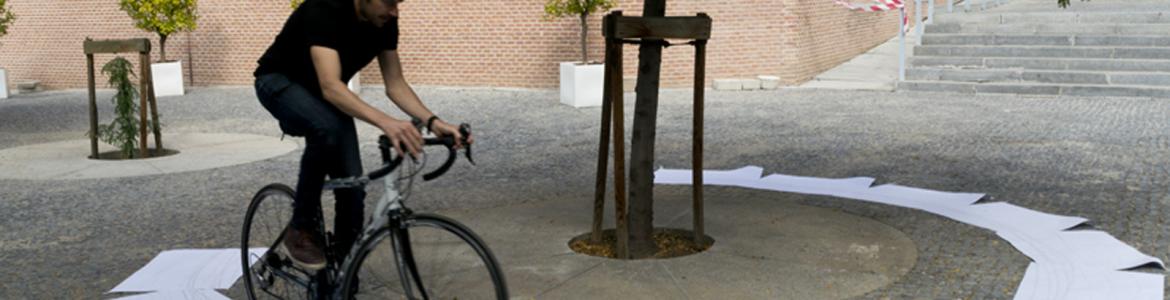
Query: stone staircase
877, 69
1080, 53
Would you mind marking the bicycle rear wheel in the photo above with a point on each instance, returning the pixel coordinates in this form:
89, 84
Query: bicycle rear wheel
268, 273
449, 260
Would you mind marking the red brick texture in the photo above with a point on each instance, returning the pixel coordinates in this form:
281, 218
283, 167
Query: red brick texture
457, 42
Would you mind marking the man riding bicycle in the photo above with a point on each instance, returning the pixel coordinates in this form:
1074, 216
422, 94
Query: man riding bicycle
301, 82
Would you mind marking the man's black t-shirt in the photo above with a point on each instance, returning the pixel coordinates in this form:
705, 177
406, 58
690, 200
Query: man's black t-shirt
332, 24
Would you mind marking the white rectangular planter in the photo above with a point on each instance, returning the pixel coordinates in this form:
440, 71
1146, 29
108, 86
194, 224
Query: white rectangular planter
3, 84
581, 85
168, 78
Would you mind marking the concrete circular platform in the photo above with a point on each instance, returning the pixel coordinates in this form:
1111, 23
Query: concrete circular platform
767, 247
197, 151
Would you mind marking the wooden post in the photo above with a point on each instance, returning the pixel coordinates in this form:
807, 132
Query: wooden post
697, 151
621, 213
642, 144
93, 115
602, 167
154, 126
143, 102
606, 121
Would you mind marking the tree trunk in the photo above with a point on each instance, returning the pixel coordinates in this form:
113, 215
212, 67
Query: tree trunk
584, 37
642, 145
162, 47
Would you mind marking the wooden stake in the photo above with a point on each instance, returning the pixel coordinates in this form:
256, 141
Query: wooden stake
603, 149
697, 151
154, 126
143, 97
93, 115
621, 215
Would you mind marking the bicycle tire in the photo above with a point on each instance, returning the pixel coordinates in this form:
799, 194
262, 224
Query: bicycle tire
259, 281
438, 283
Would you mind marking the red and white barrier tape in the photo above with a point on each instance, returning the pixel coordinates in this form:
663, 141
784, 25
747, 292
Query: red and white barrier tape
882, 5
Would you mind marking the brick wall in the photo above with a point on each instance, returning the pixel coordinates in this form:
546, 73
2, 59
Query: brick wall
457, 42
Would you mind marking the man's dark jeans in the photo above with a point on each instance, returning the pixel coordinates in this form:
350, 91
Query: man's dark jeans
331, 149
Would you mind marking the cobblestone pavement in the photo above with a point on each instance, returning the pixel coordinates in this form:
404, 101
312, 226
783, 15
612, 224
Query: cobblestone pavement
1105, 159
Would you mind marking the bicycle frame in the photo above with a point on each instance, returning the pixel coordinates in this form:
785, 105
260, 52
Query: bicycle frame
389, 213
388, 209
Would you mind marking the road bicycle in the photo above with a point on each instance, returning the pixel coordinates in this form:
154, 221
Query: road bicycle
399, 254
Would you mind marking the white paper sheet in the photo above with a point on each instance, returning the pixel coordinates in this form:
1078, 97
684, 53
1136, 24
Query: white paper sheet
1067, 264
1008, 217
1085, 249
187, 270
931, 197
811, 185
713, 177
179, 295
1060, 283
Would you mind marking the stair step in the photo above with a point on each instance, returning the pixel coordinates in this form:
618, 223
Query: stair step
1039, 63
1155, 17
1063, 77
848, 85
1036, 89
1044, 51
1049, 28
1047, 40
973, 6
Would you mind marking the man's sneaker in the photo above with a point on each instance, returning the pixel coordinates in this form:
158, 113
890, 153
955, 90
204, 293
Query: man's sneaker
304, 249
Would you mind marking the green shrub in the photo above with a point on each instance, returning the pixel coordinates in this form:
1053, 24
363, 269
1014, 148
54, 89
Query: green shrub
122, 132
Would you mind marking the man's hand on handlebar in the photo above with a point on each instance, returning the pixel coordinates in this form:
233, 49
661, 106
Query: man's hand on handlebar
402, 135
451, 141
441, 128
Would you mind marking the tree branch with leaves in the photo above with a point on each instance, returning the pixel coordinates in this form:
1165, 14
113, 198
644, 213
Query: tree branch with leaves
6, 17
163, 17
581, 9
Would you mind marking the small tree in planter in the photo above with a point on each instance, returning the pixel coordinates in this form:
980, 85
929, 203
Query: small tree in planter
581, 9
163, 17
581, 84
6, 18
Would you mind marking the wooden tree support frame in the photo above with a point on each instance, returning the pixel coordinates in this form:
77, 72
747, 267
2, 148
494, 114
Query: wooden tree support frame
146, 90
619, 30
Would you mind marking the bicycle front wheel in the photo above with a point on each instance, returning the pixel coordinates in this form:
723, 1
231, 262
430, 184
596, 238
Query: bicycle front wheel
268, 273
434, 257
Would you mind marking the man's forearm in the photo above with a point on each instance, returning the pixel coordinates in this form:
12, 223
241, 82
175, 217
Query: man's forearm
404, 97
349, 103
